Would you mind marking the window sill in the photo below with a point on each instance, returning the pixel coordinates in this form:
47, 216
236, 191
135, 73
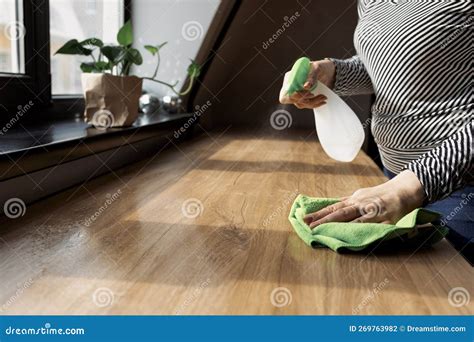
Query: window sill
27, 148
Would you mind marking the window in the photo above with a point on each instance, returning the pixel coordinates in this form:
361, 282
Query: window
79, 20
31, 31
24, 61
183, 24
12, 32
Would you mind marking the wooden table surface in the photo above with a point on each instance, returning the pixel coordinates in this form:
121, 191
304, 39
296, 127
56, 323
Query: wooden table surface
202, 228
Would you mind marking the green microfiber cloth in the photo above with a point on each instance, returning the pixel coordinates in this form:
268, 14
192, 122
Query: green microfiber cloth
340, 236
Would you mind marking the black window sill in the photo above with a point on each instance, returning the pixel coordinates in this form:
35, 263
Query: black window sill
28, 147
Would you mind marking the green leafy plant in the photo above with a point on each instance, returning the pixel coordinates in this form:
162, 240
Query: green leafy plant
119, 59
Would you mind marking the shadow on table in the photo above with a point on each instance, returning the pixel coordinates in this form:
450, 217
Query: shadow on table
283, 166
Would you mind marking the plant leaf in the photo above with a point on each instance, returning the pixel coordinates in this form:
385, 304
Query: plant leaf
113, 53
153, 49
73, 47
92, 42
194, 69
134, 56
97, 67
88, 67
102, 66
125, 34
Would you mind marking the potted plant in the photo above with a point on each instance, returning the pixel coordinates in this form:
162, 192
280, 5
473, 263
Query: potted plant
111, 94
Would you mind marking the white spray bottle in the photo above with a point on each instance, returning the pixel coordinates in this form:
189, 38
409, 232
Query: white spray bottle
339, 129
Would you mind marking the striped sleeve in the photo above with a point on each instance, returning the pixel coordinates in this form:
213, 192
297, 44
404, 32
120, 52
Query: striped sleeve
351, 77
447, 167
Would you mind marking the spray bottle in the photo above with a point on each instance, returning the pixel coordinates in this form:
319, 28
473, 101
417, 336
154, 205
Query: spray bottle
339, 129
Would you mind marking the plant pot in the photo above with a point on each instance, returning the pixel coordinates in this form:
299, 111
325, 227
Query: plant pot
111, 101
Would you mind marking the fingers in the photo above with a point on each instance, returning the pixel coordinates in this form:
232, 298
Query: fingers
312, 77
305, 104
369, 219
304, 99
305, 96
313, 101
311, 104
323, 212
302, 95
317, 98
345, 214
341, 212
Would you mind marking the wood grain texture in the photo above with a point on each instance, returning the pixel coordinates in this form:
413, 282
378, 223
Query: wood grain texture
142, 255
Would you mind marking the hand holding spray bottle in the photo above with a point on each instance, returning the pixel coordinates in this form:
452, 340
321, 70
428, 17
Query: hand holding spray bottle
339, 130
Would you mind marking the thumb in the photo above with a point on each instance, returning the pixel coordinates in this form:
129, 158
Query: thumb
312, 77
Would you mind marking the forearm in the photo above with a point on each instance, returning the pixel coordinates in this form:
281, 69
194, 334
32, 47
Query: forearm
351, 77
408, 189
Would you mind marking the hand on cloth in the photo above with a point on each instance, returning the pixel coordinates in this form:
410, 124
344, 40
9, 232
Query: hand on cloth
384, 203
323, 71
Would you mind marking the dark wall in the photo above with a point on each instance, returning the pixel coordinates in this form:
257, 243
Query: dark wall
245, 78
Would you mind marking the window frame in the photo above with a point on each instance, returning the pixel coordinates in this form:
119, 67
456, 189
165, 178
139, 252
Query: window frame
35, 83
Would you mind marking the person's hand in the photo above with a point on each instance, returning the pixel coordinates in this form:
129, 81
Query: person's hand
323, 71
385, 203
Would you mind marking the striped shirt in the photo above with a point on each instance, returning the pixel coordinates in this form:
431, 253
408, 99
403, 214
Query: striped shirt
417, 58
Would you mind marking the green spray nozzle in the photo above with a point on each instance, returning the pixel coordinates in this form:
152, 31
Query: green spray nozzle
299, 75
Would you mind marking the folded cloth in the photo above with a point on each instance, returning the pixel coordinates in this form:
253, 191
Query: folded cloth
340, 236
